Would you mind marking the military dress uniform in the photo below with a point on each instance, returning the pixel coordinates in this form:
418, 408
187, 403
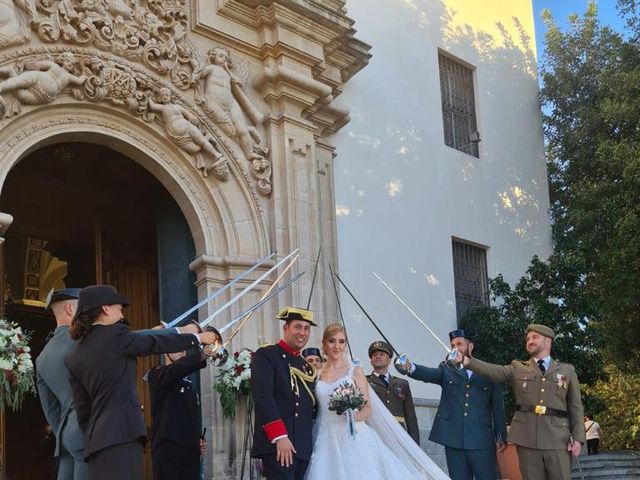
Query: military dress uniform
396, 395
175, 409
282, 386
549, 410
469, 421
56, 397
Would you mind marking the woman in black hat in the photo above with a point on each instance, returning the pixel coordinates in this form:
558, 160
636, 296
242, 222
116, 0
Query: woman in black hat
103, 370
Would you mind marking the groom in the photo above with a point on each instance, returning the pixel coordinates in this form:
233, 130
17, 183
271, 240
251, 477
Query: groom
282, 385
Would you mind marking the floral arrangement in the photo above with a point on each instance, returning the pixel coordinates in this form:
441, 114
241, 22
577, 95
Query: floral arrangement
234, 381
346, 398
16, 367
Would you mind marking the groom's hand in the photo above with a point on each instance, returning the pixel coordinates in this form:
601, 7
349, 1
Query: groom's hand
285, 451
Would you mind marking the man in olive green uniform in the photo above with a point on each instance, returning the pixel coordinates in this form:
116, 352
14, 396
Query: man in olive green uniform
547, 426
393, 391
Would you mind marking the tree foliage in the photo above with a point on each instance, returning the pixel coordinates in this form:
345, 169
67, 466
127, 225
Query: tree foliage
591, 104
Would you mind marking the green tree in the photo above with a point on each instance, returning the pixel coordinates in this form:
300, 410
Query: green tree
591, 103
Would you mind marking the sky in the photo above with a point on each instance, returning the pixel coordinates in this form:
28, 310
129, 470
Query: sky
561, 9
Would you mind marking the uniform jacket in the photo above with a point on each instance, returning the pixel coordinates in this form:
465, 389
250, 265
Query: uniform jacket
398, 399
103, 378
175, 404
558, 388
283, 405
55, 392
471, 411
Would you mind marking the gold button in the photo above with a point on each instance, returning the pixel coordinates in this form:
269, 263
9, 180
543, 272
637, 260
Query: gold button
466, 395
388, 401
296, 414
542, 389
467, 385
297, 404
541, 401
284, 356
465, 414
466, 404
543, 379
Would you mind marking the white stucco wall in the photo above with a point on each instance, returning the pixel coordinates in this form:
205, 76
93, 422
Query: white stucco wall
401, 194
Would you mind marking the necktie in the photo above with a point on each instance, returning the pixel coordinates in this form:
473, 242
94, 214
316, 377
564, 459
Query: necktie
541, 366
384, 380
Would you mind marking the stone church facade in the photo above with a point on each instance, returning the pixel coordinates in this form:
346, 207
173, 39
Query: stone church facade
226, 104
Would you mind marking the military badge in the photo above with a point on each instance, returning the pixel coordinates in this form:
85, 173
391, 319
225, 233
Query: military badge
398, 392
561, 380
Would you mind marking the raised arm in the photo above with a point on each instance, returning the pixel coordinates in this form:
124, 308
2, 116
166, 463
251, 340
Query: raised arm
495, 373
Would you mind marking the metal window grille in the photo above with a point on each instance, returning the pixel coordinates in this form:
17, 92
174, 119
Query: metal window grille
458, 106
470, 277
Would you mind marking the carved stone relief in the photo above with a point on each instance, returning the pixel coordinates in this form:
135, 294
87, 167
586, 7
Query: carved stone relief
154, 34
37, 79
220, 92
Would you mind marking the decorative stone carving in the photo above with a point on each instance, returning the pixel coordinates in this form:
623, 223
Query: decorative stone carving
221, 95
15, 19
182, 127
39, 82
154, 34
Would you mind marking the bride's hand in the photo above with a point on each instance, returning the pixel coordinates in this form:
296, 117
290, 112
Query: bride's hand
358, 416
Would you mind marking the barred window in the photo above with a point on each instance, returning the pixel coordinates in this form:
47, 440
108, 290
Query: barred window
470, 277
458, 106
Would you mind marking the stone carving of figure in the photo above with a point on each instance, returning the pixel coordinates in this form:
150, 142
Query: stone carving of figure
225, 101
41, 82
181, 125
15, 20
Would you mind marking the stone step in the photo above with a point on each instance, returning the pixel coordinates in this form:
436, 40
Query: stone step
618, 465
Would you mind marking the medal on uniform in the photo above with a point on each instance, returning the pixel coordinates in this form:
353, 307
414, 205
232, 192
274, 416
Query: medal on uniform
561, 380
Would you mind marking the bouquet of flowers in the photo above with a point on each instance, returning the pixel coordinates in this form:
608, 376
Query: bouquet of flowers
234, 381
16, 367
347, 398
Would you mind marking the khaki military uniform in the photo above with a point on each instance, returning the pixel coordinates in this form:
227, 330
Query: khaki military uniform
398, 399
549, 410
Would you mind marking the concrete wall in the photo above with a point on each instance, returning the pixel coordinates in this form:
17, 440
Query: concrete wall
401, 194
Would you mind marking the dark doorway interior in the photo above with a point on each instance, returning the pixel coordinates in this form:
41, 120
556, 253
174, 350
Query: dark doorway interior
85, 214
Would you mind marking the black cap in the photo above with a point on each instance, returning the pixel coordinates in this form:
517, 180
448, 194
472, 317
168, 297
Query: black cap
460, 333
62, 294
380, 346
311, 351
96, 296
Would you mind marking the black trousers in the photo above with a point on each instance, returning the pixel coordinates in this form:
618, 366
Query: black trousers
118, 462
274, 471
172, 460
592, 446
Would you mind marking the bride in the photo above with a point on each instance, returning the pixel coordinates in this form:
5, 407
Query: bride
380, 449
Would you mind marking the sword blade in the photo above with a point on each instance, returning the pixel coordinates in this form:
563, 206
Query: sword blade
260, 303
414, 314
246, 290
280, 277
215, 294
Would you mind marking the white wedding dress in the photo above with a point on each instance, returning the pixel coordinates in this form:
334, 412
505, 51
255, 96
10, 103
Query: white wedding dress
380, 450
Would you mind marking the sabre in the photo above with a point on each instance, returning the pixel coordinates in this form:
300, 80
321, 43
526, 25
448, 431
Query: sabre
451, 353
366, 314
215, 294
577, 459
284, 272
252, 309
335, 289
313, 278
415, 315
246, 290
